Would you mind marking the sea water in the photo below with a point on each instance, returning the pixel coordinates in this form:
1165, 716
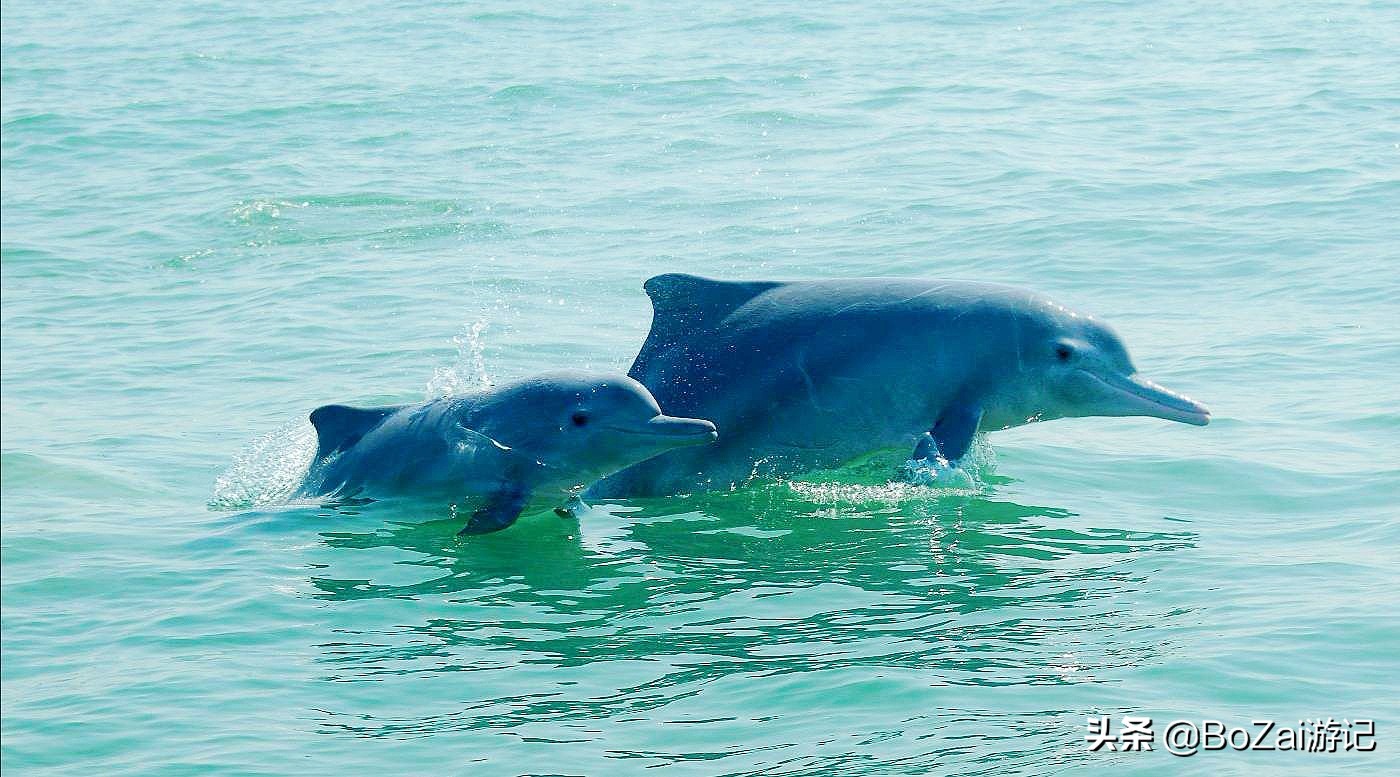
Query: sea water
219, 216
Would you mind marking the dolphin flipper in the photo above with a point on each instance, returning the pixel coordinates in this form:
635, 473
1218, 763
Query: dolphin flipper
572, 508
926, 448
954, 432
503, 505
500, 511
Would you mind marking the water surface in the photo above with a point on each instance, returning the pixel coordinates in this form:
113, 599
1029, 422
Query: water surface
219, 217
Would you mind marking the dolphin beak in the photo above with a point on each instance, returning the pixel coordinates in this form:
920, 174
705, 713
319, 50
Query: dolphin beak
1123, 395
681, 431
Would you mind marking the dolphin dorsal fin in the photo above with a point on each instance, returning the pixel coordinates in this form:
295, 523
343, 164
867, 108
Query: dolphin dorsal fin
683, 305
698, 301
339, 427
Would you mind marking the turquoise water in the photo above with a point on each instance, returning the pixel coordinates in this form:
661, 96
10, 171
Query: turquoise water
217, 218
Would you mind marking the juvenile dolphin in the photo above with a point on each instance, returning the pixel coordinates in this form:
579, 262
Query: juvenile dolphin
810, 374
546, 437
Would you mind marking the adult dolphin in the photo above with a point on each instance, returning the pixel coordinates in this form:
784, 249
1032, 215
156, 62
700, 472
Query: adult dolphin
543, 438
809, 374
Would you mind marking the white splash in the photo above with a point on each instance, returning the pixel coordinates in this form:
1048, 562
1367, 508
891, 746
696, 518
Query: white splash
268, 470
468, 371
914, 480
937, 472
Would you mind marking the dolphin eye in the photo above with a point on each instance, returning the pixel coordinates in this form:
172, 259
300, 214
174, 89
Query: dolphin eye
579, 419
1063, 352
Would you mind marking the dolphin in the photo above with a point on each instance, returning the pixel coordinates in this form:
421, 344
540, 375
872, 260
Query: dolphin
810, 374
545, 437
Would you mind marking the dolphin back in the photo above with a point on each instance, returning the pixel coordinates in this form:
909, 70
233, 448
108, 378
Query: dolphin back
684, 306
339, 427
